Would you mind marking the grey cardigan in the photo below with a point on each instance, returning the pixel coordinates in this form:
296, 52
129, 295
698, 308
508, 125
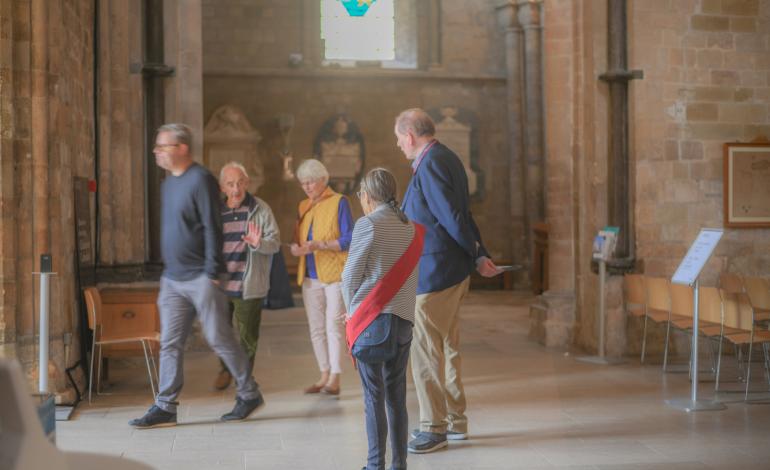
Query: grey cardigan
379, 240
256, 279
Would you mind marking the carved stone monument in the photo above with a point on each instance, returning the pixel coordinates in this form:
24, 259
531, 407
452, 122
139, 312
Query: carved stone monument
457, 136
229, 136
340, 147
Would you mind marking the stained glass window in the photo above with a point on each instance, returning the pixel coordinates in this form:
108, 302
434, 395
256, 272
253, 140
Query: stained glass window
358, 29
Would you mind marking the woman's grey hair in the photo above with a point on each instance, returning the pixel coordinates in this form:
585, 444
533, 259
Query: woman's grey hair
235, 165
312, 169
416, 121
181, 132
381, 186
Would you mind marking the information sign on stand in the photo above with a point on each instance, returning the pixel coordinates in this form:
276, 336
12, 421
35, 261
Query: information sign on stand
687, 273
603, 251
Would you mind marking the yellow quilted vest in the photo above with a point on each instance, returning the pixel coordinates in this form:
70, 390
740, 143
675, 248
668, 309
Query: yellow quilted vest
323, 218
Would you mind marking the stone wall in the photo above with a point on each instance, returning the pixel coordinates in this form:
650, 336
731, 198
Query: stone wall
705, 83
46, 117
246, 50
707, 66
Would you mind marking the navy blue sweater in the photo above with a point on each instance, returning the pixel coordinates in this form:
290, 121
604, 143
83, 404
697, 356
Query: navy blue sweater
191, 227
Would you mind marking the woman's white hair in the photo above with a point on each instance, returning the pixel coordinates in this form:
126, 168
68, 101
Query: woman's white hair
312, 169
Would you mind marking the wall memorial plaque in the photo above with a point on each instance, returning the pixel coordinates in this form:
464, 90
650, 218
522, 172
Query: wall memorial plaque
340, 147
229, 136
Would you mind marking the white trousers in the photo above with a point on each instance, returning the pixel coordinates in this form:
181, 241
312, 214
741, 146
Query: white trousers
326, 318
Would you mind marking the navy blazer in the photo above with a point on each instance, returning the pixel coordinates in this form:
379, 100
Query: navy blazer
437, 197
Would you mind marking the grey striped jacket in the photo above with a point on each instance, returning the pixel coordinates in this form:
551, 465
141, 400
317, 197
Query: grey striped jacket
379, 240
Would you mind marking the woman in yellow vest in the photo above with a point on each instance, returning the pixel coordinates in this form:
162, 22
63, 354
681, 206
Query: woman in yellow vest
321, 241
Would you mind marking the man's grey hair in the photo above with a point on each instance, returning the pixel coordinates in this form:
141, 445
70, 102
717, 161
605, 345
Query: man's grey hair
235, 165
416, 121
312, 169
181, 132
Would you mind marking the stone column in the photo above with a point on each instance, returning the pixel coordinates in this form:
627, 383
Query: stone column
507, 15
39, 75
552, 316
8, 231
184, 52
534, 177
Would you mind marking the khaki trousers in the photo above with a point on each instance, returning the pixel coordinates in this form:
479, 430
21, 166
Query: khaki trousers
436, 360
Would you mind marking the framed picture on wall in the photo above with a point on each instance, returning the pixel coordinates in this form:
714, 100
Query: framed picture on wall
747, 184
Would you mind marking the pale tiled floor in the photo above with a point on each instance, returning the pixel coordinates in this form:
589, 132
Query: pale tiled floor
528, 408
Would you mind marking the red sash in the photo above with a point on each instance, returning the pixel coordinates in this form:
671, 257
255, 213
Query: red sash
386, 288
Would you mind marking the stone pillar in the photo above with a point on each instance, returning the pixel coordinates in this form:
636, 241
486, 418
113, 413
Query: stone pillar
552, 316
184, 52
8, 230
39, 75
507, 15
121, 152
534, 176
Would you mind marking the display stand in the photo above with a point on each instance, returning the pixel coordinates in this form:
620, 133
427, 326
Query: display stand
44, 315
604, 247
687, 273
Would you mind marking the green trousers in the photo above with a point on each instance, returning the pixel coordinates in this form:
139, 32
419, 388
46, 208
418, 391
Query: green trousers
248, 316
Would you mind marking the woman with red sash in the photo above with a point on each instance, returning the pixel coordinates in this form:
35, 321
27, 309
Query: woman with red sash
379, 285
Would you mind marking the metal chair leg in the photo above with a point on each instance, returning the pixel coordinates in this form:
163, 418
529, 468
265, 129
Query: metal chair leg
154, 367
644, 338
149, 370
91, 369
767, 364
99, 371
748, 367
719, 364
665, 350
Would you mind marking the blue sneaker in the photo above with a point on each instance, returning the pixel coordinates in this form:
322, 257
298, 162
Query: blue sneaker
450, 435
426, 442
154, 418
244, 408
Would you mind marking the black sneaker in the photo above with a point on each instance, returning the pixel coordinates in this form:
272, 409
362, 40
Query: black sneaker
154, 418
450, 435
243, 408
426, 442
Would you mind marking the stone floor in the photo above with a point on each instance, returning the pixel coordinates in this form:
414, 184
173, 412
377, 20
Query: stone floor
529, 408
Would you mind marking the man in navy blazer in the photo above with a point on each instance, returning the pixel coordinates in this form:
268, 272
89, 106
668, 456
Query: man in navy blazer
437, 197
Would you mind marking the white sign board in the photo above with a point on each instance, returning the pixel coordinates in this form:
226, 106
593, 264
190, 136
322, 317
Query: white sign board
699, 252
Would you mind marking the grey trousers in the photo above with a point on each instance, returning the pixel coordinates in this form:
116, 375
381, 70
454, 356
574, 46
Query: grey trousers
178, 303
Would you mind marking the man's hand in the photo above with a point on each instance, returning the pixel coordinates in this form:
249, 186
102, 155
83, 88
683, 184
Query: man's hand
254, 235
486, 267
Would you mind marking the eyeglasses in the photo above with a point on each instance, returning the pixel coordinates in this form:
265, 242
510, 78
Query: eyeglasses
164, 146
360, 194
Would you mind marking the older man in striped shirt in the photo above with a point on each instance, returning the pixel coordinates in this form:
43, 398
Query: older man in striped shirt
251, 237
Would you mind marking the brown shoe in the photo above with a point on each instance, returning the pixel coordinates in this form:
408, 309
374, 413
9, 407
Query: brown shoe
326, 390
223, 379
313, 389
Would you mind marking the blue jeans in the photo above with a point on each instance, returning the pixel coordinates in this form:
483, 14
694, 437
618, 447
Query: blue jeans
384, 385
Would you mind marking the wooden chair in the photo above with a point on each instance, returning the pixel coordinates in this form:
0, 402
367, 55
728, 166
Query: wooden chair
740, 314
712, 312
104, 336
758, 290
681, 314
731, 283
657, 308
634, 297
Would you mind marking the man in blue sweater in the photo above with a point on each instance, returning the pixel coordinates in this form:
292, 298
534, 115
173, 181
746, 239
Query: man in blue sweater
437, 197
191, 245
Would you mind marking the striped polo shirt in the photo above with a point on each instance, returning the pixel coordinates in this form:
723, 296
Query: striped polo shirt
235, 251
